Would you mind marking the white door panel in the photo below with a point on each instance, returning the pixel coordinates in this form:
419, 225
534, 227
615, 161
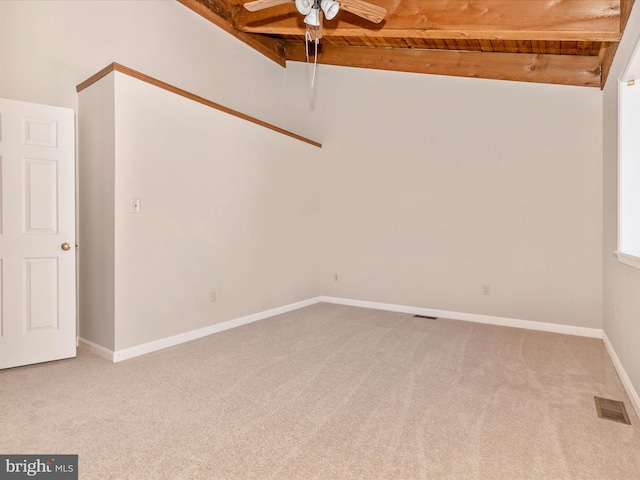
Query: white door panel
37, 215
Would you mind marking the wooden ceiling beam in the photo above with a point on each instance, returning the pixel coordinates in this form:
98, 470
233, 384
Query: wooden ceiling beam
496, 24
608, 51
625, 12
516, 35
222, 8
536, 68
568, 20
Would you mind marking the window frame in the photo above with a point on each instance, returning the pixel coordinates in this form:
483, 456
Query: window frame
628, 248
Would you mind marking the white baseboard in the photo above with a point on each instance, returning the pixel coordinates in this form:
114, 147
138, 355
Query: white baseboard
136, 351
622, 373
471, 317
95, 349
127, 353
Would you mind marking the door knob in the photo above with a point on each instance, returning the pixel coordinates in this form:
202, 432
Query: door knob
65, 246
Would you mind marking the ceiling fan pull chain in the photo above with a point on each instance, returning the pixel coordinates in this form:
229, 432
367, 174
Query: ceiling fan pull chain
315, 64
307, 40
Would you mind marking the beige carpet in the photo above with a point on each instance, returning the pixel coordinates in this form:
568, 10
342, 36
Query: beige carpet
332, 392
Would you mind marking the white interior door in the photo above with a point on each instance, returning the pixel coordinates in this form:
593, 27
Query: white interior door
37, 224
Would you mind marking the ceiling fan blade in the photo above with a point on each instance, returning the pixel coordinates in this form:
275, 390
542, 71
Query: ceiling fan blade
262, 4
363, 9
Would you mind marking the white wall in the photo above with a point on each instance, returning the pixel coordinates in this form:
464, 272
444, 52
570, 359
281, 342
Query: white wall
227, 207
48, 47
96, 215
621, 282
433, 186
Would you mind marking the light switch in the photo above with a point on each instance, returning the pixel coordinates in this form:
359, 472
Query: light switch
135, 205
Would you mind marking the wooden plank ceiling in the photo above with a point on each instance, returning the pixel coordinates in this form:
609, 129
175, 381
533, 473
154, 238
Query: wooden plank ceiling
570, 42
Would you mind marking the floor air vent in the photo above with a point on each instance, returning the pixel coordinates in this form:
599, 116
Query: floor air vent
612, 410
424, 316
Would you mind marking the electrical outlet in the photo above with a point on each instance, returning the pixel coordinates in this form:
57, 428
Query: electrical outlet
213, 297
486, 289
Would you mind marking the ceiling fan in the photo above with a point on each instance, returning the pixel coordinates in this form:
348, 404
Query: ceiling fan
313, 9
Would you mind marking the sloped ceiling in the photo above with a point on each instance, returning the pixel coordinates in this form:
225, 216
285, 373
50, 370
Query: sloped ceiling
570, 42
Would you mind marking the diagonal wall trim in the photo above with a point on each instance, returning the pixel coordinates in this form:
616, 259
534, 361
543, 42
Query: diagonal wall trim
622, 373
116, 67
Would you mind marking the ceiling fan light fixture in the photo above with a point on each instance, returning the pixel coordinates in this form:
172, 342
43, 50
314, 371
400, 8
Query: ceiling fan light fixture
304, 6
313, 17
330, 8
